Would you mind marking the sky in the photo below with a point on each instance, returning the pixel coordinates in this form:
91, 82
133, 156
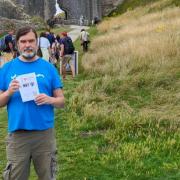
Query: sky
58, 9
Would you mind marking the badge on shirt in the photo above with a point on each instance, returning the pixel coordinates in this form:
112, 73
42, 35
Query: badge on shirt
28, 86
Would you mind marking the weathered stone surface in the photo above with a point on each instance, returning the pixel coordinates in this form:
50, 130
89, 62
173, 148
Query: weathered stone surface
88, 8
23, 9
8, 24
43, 8
10, 10
18, 9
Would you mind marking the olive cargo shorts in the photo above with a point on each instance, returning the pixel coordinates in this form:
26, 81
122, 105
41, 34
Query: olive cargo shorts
26, 146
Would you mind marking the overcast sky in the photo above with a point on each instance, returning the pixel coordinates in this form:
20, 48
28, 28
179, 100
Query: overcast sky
58, 10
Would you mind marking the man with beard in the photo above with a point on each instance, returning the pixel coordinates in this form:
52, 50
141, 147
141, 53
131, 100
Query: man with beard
30, 121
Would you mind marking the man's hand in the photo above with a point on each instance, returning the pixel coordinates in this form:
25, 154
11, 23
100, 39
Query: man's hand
5, 95
13, 87
42, 99
57, 100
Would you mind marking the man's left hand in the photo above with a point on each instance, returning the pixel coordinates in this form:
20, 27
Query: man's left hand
42, 99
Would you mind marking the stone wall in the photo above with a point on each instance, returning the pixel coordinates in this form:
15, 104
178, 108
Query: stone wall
10, 10
75, 8
43, 8
9, 24
23, 9
88, 8
17, 9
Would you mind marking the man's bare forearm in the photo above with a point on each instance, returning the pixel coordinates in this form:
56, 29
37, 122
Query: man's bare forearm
4, 98
58, 102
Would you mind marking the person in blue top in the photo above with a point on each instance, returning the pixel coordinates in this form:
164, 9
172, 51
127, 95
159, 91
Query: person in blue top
31, 121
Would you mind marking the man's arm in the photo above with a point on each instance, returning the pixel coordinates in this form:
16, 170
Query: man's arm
5, 95
57, 100
4, 98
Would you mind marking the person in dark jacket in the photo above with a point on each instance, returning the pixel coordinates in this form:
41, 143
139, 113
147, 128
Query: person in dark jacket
67, 54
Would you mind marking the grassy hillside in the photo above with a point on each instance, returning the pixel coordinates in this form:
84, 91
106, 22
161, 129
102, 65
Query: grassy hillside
130, 99
122, 115
157, 5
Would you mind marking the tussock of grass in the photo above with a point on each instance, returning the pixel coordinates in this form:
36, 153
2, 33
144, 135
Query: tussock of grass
122, 120
148, 6
132, 93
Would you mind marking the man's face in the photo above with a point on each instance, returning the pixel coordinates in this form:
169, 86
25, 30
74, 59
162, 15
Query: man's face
27, 46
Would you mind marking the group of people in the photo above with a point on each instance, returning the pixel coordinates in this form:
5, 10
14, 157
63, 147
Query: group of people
31, 88
52, 48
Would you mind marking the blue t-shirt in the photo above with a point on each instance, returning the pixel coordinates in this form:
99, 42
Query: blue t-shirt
28, 115
51, 38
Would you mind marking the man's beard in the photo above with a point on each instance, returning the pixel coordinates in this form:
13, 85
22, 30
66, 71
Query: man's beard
28, 53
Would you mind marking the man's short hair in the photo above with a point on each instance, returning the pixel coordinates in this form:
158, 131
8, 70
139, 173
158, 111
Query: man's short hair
24, 30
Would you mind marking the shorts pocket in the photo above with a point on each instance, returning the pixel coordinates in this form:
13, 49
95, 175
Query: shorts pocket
7, 171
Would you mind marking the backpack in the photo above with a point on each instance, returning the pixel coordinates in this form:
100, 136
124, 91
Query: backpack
2, 44
68, 46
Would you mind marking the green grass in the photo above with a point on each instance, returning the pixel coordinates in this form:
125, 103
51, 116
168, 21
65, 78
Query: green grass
116, 128
3, 132
147, 150
57, 30
93, 32
128, 5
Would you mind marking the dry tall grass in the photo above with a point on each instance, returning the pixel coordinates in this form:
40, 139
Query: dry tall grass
153, 37
131, 95
141, 47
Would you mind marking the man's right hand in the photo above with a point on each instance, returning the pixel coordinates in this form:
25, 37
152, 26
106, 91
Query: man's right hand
13, 87
5, 95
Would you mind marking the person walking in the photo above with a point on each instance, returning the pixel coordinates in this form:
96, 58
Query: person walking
84, 37
81, 20
67, 54
30, 88
44, 44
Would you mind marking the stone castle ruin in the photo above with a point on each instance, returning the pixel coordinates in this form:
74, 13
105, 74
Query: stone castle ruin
74, 9
89, 9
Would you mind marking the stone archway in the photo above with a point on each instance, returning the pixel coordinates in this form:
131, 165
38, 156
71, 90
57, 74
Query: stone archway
77, 8
88, 8
65, 13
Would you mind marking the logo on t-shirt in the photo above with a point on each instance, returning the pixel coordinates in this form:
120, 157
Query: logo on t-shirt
13, 77
40, 75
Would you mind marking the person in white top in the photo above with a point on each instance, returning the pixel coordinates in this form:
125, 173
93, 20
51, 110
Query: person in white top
84, 37
81, 20
44, 44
